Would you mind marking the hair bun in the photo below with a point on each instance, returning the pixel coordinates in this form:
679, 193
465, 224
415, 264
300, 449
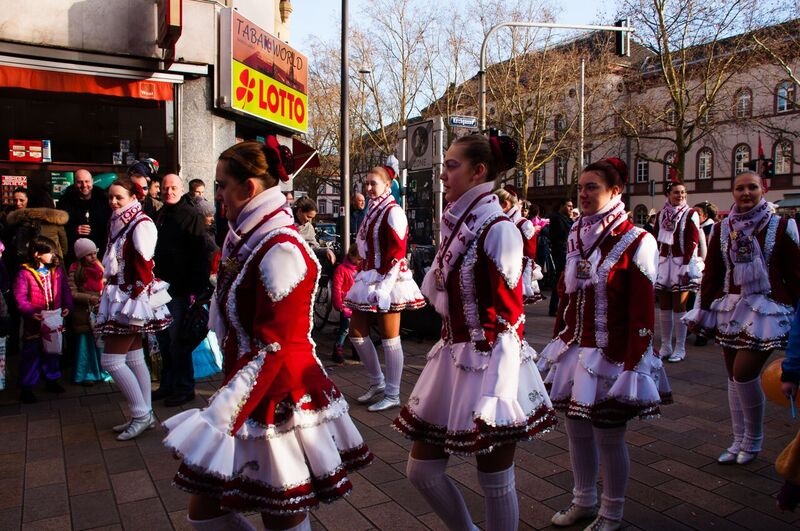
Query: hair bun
504, 150
621, 167
511, 189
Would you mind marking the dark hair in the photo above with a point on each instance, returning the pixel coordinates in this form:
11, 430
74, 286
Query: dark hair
41, 245
195, 183
131, 187
352, 252
670, 185
147, 168
564, 200
709, 209
21, 190
305, 204
498, 153
40, 198
612, 170
534, 210
267, 162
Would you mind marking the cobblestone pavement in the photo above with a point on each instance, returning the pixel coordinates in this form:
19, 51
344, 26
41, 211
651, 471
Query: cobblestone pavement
61, 467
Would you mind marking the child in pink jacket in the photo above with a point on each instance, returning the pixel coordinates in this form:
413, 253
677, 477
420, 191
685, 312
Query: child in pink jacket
41, 285
343, 278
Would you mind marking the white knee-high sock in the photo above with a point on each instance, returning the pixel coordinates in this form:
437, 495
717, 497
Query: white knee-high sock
429, 478
584, 460
393, 355
228, 521
751, 396
679, 331
737, 417
615, 470
135, 360
369, 357
126, 381
500, 497
665, 316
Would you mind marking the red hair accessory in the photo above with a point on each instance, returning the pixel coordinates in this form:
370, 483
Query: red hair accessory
390, 171
504, 151
138, 190
279, 158
621, 168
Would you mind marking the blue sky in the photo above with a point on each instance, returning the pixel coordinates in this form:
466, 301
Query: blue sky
321, 17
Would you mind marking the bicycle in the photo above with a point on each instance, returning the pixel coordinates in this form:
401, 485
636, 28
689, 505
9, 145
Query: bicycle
323, 303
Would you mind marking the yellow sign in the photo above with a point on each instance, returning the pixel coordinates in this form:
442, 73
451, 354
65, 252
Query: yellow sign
262, 96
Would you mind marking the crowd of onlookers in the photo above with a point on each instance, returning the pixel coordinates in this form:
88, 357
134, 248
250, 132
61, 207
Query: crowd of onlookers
52, 264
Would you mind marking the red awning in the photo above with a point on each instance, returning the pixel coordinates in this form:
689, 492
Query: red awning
303, 152
46, 80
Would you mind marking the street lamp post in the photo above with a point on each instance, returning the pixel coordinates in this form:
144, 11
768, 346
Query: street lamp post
482, 71
344, 149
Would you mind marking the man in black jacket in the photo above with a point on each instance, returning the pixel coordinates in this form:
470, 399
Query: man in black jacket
87, 206
560, 223
180, 259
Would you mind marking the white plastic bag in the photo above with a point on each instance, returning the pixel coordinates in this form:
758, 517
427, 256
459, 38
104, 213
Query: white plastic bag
52, 331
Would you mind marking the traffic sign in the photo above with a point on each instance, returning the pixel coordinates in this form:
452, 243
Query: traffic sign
468, 122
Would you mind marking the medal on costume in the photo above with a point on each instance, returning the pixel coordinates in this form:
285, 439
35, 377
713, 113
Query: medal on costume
584, 269
438, 277
744, 251
669, 225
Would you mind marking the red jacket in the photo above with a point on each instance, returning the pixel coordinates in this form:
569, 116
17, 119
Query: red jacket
342, 281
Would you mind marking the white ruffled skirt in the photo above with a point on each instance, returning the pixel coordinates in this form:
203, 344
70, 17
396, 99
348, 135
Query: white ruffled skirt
672, 275
751, 322
119, 314
403, 295
585, 385
446, 407
531, 275
282, 468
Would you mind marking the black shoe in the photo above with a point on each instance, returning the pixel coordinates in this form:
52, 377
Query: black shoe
160, 393
26, 396
178, 399
700, 341
52, 386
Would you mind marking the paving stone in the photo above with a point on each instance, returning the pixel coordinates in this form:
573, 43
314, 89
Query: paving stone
125, 459
697, 518
56, 523
719, 505
78, 433
758, 521
44, 448
689, 474
44, 502
645, 518
379, 472
12, 489
13, 424
533, 513
534, 486
365, 494
87, 453
10, 518
44, 472
161, 466
763, 502
132, 486
390, 516
174, 499
93, 509
649, 497
12, 466
536, 465
179, 522
82, 479
145, 515
12, 442
341, 516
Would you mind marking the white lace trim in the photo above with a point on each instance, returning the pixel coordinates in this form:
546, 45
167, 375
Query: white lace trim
601, 295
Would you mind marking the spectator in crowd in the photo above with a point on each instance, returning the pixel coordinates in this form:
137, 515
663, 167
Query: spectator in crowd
707, 212
358, 209
88, 210
154, 194
342, 281
142, 173
560, 223
182, 261
27, 223
305, 210
19, 198
86, 283
197, 188
40, 286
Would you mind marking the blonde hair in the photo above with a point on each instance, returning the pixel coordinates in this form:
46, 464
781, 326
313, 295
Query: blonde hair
506, 197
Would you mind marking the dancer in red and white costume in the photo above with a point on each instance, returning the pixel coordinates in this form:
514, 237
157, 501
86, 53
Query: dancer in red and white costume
480, 391
133, 303
531, 271
750, 289
276, 437
677, 229
382, 289
601, 366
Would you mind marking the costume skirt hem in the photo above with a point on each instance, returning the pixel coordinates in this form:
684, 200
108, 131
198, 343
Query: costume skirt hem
116, 328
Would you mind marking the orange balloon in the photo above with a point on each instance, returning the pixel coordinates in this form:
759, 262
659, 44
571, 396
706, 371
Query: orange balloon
771, 383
